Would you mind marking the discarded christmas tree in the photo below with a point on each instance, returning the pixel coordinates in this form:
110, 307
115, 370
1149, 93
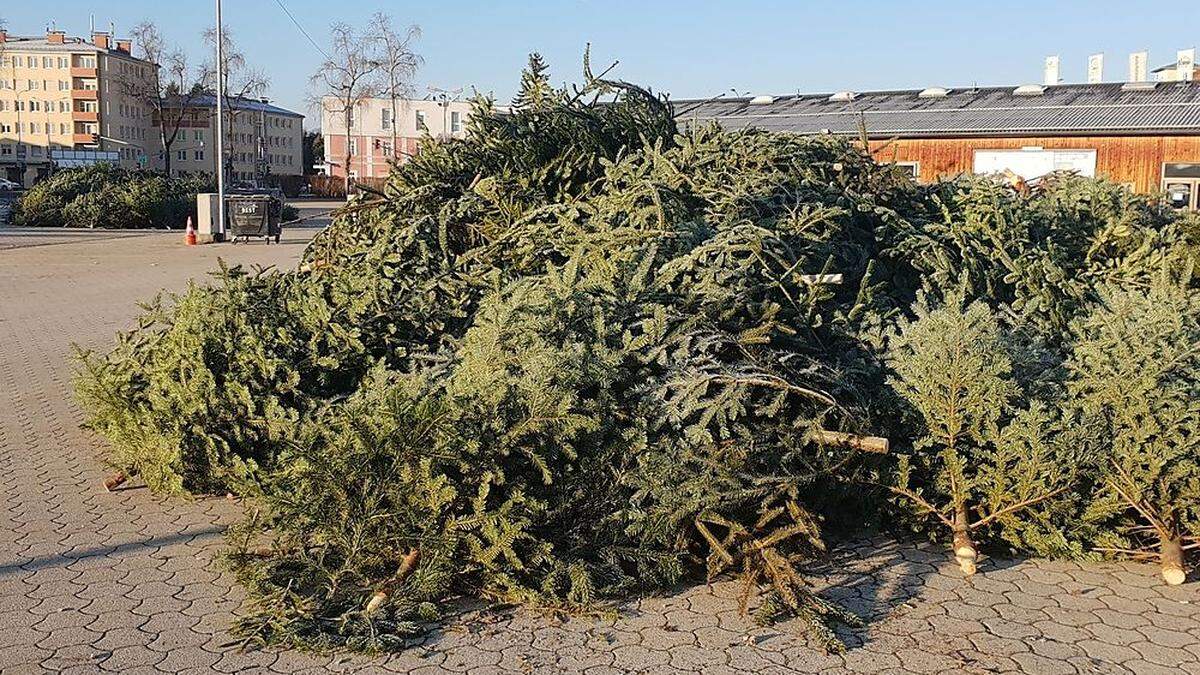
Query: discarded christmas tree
574, 355
583, 352
1136, 379
978, 460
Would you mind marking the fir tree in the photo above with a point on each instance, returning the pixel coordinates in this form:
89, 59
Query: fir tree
1135, 378
978, 460
535, 92
582, 353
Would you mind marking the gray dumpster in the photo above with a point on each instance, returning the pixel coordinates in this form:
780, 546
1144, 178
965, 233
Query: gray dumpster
252, 216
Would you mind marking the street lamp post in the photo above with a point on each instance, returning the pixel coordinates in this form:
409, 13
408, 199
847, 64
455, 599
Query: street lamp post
220, 70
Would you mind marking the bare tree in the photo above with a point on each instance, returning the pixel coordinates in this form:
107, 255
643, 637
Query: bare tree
397, 63
242, 84
166, 89
346, 79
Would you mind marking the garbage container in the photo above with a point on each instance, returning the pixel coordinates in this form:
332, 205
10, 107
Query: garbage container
252, 216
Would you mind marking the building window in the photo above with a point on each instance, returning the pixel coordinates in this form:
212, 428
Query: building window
385, 119
421, 124
181, 155
198, 136
1181, 183
199, 155
910, 169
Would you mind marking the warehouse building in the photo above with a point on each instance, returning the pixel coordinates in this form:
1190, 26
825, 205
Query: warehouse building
1142, 134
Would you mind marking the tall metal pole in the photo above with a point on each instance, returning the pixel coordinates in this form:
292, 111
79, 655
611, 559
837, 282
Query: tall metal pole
220, 120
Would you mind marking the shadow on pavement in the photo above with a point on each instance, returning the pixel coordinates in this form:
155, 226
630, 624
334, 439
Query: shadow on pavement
62, 560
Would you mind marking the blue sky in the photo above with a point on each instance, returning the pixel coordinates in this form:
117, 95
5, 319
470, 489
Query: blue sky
689, 49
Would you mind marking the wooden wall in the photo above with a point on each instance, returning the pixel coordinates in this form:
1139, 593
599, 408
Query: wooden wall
1123, 159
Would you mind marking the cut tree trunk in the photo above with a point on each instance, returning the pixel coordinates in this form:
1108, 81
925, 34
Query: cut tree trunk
1171, 557
114, 481
964, 548
875, 444
407, 565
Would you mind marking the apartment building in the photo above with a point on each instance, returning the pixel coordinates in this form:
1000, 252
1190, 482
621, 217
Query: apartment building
60, 93
372, 130
260, 139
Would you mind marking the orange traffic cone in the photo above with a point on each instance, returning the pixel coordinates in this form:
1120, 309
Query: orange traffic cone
190, 237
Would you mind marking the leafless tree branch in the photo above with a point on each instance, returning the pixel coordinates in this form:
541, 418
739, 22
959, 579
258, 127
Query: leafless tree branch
398, 63
347, 78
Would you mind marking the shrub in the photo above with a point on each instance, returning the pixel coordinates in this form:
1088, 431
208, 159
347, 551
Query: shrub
105, 196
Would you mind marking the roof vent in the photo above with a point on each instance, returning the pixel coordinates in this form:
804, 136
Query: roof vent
1139, 86
1029, 90
762, 100
934, 92
843, 96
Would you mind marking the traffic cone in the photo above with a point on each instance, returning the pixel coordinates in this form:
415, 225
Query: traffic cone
190, 237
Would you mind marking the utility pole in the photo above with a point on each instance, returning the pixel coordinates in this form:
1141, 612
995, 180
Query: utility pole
220, 120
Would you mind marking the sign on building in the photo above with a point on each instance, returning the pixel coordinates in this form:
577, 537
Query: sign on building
1029, 163
1050, 77
1095, 73
68, 159
1139, 66
1185, 66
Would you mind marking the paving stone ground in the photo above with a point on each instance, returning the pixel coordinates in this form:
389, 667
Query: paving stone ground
93, 581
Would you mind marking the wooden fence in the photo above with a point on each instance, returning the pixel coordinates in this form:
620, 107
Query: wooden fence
334, 186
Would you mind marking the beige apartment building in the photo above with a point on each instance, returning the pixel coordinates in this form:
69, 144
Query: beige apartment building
65, 96
260, 139
372, 130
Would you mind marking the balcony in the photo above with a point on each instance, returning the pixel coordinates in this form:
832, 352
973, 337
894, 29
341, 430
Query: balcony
82, 139
78, 71
85, 94
85, 116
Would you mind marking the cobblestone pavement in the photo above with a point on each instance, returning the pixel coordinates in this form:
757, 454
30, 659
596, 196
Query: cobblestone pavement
124, 582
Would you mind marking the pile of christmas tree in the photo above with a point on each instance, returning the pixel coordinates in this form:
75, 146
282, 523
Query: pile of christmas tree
584, 353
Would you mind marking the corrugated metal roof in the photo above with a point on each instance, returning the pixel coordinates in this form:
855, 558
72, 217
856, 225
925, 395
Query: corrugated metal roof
1108, 108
